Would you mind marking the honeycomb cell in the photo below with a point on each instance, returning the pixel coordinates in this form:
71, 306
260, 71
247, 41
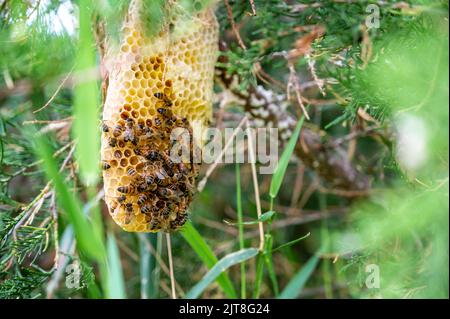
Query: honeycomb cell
134, 160
143, 112
127, 153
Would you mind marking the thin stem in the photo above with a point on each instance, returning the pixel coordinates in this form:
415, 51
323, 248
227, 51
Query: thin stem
325, 237
256, 188
172, 277
202, 183
241, 228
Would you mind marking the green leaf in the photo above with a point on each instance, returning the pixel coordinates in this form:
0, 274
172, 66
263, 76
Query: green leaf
268, 242
196, 241
148, 266
88, 240
241, 229
86, 102
282, 165
295, 286
225, 263
292, 242
116, 284
259, 275
264, 218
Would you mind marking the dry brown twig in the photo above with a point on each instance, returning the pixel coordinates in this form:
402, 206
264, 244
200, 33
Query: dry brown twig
252, 5
256, 188
56, 91
202, 183
161, 263
233, 25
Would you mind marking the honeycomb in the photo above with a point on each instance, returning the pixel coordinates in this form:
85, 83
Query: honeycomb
156, 84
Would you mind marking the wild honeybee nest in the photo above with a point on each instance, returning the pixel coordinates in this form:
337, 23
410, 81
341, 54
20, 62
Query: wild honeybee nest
155, 85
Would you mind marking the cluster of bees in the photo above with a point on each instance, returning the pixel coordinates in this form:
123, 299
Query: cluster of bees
159, 188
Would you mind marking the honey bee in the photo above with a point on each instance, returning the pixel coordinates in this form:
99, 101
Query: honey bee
130, 122
159, 95
168, 194
112, 141
105, 166
148, 131
152, 156
140, 130
155, 211
179, 122
127, 218
118, 129
160, 204
142, 187
105, 127
164, 98
128, 136
121, 198
142, 151
150, 181
146, 209
169, 123
179, 221
138, 151
173, 207
158, 122
131, 171
177, 177
162, 179
183, 169
165, 112
142, 199
168, 167
154, 224
130, 189
114, 205
129, 207
165, 213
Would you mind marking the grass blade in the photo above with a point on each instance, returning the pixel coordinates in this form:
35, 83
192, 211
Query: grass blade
147, 266
241, 229
292, 242
259, 275
86, 98
269, 263
282, 165
225, 263
116, 284
88, 240
295, 286
266, 217
198, 244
